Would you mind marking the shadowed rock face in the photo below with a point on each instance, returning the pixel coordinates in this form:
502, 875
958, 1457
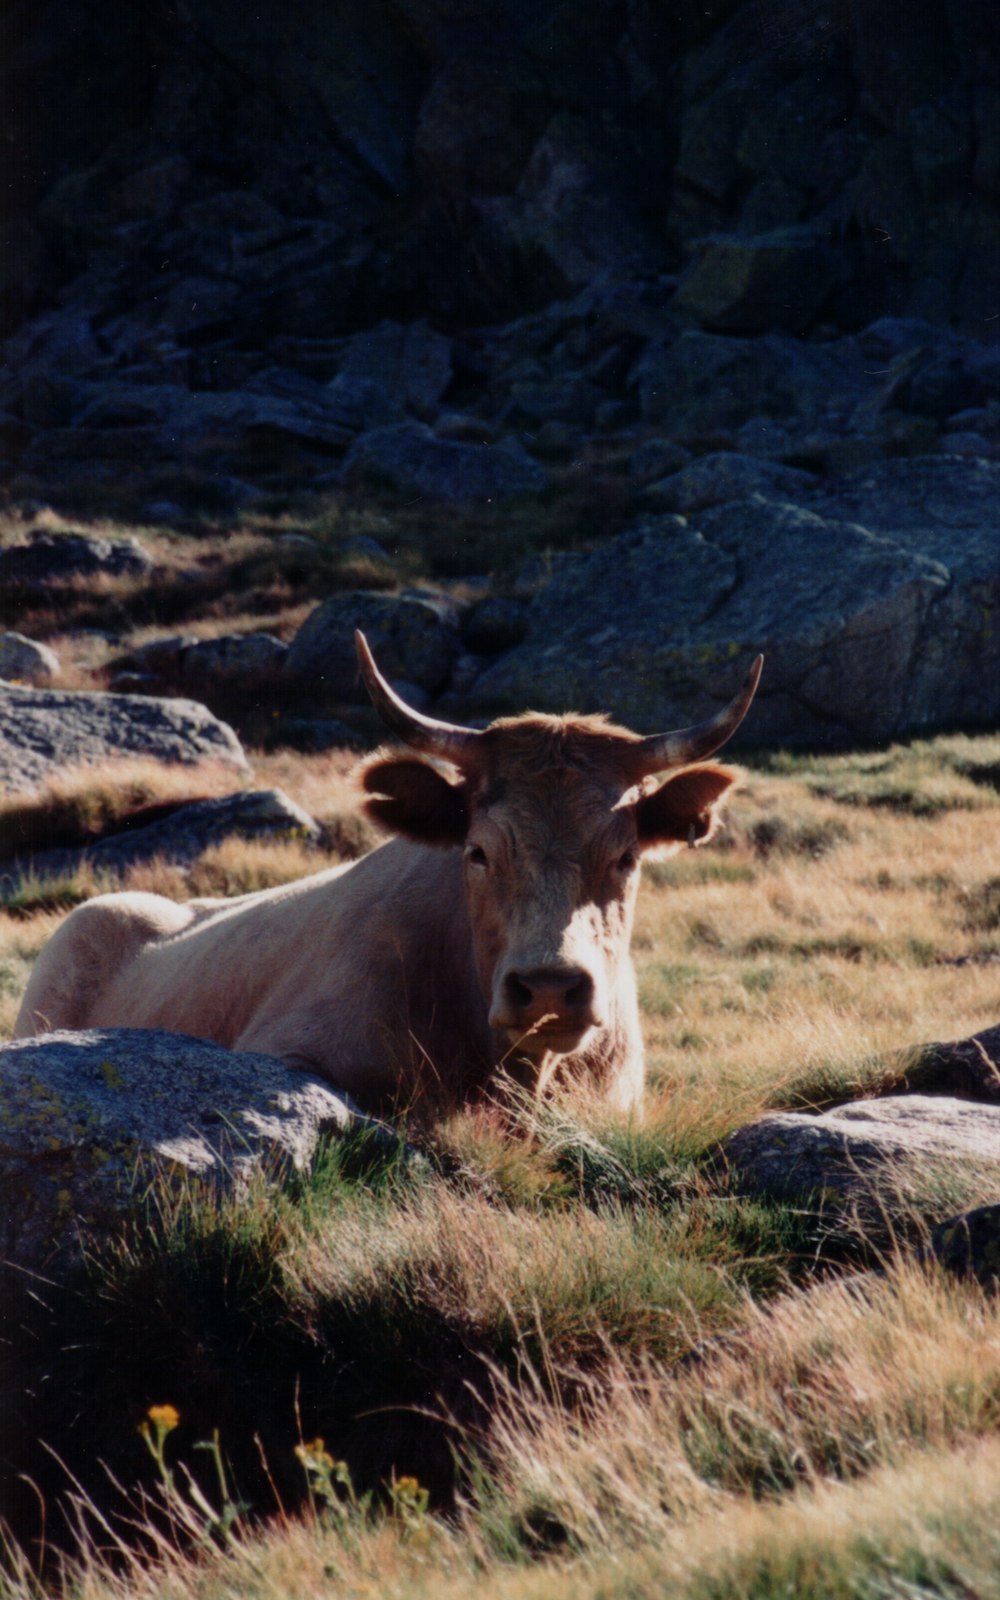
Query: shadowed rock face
874, 610
298, 173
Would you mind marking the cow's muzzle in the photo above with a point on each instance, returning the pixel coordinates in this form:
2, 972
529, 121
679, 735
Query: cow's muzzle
546, 1008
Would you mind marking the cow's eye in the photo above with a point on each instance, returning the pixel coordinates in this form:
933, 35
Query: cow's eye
476, 856
628, 861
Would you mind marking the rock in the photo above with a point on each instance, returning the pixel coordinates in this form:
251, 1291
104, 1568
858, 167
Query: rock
656, 458
965, 1069
362, 544
755, 283
464, 673
579, 209
55, 343
316, 734
556, 441
969, 1245
267, 412
163, 511
413, 460
88, 1119
186, 833
702, 382
725, 475
488, 152
897, 634
960, 443
409, 364
25, 661
135, 683
407, 635
231, 657
198, 665
14, 433
43, 731
877, 1158
59, 558
497, 623
161, 657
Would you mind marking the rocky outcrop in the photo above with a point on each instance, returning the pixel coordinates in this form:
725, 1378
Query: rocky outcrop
43, 731
88, 1119
875, 601
26, 661
53, 559
292, 176
872, 1160
180, 837
414, 638
254, 244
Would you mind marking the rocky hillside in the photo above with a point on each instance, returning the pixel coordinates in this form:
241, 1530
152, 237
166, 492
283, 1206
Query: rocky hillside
707, 278
205, 200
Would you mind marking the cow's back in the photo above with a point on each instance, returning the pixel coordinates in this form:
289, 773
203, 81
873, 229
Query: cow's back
91, 951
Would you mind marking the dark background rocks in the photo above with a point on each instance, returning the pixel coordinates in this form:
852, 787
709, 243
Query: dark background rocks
325, 207
491, 259
292, 172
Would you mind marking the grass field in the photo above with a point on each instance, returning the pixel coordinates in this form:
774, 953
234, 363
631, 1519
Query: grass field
561, 1358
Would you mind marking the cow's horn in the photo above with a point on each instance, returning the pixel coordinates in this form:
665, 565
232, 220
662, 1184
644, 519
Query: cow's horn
694, 744
425, 733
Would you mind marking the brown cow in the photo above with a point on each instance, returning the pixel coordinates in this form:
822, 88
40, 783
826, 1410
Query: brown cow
491, 933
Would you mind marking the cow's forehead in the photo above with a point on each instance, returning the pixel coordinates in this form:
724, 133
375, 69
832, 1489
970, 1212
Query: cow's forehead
521, 747
554, 783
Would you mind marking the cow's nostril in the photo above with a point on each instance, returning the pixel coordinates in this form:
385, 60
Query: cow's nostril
581, 993
518, 992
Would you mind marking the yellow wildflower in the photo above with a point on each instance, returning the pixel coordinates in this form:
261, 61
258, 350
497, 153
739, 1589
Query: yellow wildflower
164, 1418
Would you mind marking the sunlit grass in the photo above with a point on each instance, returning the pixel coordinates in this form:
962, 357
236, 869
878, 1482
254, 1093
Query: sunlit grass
677, 1387
80, 804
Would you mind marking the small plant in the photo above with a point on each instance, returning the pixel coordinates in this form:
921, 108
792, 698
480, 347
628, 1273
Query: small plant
331, 1485
164, 1420
192, 1508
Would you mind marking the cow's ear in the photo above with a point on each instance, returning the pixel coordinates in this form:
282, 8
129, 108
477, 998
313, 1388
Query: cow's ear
414, 799
685, 809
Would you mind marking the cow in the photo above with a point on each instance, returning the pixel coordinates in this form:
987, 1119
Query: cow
487, 942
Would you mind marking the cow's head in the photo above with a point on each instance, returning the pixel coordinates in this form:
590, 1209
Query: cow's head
553, 815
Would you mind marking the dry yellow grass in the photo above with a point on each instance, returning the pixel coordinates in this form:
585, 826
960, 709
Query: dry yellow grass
838, 1440
757, 971
80, 803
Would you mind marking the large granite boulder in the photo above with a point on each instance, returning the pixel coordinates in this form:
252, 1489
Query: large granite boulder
413, 642
875, 601
43, 731
88, 1119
